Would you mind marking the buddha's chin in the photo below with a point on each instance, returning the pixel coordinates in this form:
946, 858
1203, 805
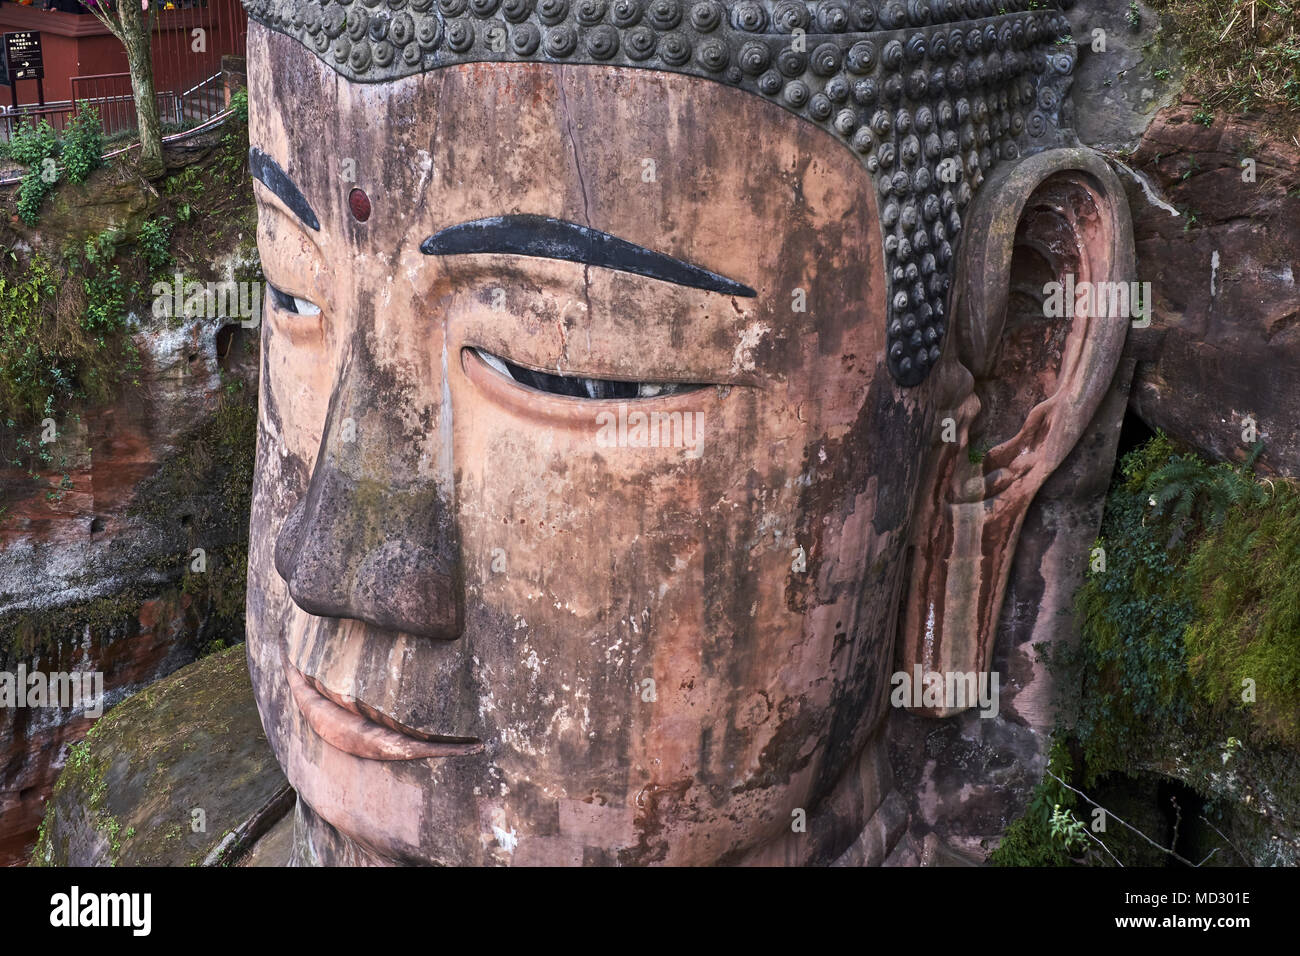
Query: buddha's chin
406, 812
355, 800
378, 792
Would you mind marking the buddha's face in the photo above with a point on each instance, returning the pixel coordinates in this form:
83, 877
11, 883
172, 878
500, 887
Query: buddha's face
490, 618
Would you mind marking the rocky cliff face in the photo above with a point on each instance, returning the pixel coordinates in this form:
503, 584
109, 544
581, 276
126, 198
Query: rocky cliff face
94, 567
1223, 263
100, 522
131, 648
1215, 196
99, 578
1129, 68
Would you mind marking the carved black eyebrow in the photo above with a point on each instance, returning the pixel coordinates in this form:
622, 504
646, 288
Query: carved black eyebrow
267, 171
547, 238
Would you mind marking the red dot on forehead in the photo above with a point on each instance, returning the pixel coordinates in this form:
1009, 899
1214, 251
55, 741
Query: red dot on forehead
359, 203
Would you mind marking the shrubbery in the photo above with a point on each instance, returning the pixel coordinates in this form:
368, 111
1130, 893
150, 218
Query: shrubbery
33, 142
63, 329
1190, 634
82, 149
1201, 593
155, 242
37, 146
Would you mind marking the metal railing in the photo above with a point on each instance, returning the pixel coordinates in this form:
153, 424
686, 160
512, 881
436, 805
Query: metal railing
203, 100
117, 114
110, 94
179, 137
56, 114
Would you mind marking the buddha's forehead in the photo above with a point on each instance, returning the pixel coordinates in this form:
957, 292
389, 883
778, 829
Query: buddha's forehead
591, 144
927, 95
595, 146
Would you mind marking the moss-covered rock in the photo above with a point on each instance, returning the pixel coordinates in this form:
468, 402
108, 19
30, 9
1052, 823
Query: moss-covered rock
131, 792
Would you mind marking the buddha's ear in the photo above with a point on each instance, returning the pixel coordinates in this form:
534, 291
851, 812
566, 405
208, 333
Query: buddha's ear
1030, 367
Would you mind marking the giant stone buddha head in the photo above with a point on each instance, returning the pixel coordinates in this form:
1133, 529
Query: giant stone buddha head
610, 350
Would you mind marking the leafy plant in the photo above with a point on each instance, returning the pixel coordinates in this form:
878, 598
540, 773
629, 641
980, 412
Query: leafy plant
239, 105
31, 193
82, 149
34, 146
189, 181
234, 144
1033, 838
32, 366
105, 301
101, 248
1187, 482
154, 242
33, 142
1070, 831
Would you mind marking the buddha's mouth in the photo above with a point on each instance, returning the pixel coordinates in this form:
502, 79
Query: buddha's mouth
351, 725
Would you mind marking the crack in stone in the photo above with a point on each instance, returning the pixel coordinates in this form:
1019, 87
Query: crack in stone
586, 209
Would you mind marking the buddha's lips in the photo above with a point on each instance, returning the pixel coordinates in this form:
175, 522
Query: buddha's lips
341, 723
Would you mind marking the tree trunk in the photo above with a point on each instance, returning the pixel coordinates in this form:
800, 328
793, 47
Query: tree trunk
136, 38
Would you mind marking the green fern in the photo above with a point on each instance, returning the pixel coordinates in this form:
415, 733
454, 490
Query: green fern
1192, 486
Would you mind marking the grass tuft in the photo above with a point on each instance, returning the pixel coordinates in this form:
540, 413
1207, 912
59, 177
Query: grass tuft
1241, 55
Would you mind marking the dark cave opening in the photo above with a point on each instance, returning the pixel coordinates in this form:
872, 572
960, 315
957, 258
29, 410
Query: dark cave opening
1132, 433
1184, 832
1164, 810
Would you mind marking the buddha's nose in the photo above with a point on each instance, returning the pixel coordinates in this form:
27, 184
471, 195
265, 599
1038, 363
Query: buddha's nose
375, 538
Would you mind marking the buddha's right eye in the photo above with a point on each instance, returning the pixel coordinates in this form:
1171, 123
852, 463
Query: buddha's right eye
291, 303
576, 386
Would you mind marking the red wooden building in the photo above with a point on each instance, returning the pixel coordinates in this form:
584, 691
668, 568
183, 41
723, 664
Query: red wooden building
83, 61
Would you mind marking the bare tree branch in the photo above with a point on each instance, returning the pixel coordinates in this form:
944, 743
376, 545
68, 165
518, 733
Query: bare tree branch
1094, 836
1109, 814
1227, 841
109, 20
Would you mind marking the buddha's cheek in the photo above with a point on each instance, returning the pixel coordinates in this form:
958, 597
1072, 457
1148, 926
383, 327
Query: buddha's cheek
628, 605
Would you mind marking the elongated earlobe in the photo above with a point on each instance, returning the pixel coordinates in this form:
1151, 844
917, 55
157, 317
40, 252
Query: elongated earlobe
1036, 378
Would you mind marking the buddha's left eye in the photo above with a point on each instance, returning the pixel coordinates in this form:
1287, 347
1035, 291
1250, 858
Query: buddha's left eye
576, 386
291, 303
